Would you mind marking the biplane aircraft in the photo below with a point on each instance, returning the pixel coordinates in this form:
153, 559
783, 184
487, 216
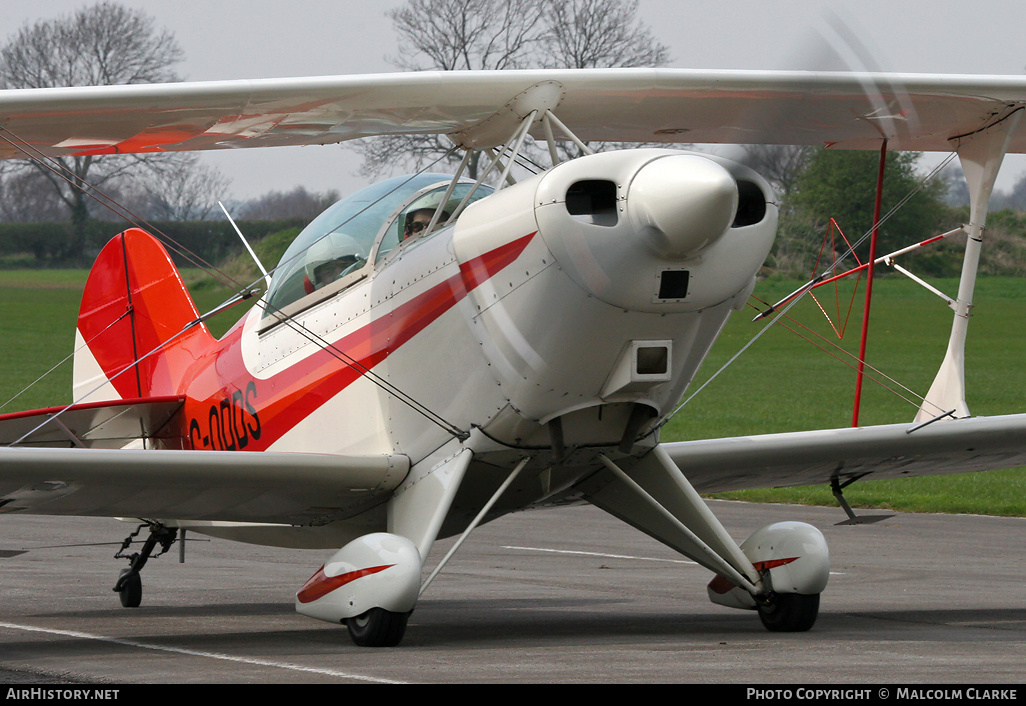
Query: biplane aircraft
433, 352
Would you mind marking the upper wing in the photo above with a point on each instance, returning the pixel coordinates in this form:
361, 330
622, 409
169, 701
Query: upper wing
815, 457
915, 112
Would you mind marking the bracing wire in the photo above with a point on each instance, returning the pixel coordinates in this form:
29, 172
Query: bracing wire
833, 266
62, 172
882, 378
805, 289
59, 170
63, 361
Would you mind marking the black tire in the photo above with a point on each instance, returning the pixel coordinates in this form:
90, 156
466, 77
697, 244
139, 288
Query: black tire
131, 588
789, 612
377, 628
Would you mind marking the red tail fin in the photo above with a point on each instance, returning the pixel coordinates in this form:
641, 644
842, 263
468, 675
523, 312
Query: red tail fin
135, 309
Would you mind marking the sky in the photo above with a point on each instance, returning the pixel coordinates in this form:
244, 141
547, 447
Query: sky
235, 39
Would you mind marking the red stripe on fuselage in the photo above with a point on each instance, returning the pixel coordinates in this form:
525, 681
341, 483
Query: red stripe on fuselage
228, 408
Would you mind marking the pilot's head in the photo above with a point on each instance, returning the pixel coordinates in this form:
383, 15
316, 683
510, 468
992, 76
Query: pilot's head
327, 272
418, 221
329, 258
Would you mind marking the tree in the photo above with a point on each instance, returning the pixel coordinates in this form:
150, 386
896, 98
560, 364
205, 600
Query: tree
467, 35
1017, 195
188, 192
841, 184
597, 34
780, 165
298, 204
956, 189
451, 35
103, 44
26, 197
590, 34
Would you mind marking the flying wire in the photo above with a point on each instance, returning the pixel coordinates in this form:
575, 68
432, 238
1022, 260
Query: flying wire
60, 170
827, 345
65, 360
802, 291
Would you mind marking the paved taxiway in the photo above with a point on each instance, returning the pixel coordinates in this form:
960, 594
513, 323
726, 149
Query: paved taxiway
568, 595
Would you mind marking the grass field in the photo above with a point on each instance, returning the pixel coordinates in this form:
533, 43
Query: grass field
781, 383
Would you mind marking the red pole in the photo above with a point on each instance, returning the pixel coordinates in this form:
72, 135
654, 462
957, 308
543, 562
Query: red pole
869, 283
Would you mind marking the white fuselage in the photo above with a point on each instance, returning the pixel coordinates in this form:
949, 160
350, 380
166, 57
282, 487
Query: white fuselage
560, 317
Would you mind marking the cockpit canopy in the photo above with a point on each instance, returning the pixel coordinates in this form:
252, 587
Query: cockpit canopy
346, 242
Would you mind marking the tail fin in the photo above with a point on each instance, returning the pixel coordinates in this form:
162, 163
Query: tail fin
131, 339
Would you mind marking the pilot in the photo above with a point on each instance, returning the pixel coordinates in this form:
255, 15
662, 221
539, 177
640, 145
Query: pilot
330, 258
327, 272
417, 221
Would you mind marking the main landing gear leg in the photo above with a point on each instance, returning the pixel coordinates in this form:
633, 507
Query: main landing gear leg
372, 584
129, 584
780, 570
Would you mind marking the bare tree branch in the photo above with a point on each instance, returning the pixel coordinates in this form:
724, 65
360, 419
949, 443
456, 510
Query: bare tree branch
188, 191
780, 165
281, 205
103, 44
28, 198
590, 34
452, 35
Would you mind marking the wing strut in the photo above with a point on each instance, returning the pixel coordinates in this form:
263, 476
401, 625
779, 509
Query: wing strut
475, 522
981, 154
701, 536
550, 117
512, 146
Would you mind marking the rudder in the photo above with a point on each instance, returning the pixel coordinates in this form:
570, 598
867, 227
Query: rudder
131, 339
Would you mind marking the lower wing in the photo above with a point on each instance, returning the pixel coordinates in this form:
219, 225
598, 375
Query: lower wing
69, 461
312, 489
821, 456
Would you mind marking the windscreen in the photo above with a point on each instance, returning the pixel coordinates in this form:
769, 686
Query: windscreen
339, 241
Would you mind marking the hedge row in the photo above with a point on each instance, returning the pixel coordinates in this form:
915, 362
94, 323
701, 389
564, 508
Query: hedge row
52, 244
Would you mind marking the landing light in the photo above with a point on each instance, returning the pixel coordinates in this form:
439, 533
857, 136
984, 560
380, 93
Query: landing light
641, 365
652, 360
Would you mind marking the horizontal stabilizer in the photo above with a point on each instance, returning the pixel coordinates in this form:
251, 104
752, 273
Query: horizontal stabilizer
95, 425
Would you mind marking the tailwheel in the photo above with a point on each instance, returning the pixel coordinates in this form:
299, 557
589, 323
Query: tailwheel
129, 583
377, 628
789, 612
129, 588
